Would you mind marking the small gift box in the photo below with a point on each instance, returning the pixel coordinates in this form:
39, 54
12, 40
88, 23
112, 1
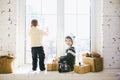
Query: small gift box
6, 64
81, 69
52, 66
96, 64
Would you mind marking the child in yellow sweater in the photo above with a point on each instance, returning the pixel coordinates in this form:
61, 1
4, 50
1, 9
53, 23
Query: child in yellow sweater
36, 36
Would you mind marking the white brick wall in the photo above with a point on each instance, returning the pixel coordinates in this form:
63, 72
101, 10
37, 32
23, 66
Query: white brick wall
111, 33
7, 26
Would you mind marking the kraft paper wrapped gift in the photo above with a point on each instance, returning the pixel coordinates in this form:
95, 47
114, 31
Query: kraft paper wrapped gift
96, 64
6, 65
52, 67
81, 69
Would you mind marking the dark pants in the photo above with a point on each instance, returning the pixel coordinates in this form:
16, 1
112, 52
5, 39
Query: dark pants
69, 60
38, 53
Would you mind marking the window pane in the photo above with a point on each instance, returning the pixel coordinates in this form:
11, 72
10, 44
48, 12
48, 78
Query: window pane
83, 6
82, 45
70, 24
77, 22
70, 6
45, 11
50, 41
33, 6
49, 6
83, 26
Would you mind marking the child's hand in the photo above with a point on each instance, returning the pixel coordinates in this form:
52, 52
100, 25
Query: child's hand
57, 59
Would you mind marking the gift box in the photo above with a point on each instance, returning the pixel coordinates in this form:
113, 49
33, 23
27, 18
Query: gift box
81, 69
52, 67
6, 64
96, 64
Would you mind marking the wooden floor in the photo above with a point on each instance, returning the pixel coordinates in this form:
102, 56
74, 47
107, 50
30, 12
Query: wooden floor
25, 73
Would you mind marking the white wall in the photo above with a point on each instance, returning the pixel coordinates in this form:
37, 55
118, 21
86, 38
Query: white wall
111, 33
106, 31
7, 27
11, 29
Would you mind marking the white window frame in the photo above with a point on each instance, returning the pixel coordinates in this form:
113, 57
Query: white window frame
96, 29
20, 33
20, 40
60, 28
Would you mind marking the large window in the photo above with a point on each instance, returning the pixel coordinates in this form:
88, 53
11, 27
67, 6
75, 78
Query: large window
46, 13
76, 21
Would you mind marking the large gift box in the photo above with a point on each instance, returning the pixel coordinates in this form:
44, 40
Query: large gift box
96, 64
6, 64
52, 67
81, 69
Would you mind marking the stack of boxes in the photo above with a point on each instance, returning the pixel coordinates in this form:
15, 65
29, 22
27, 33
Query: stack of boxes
96, 64
93, 62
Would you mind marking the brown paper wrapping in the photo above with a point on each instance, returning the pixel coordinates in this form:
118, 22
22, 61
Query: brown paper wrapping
6, 65
96, 64
82, 68
52, 67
